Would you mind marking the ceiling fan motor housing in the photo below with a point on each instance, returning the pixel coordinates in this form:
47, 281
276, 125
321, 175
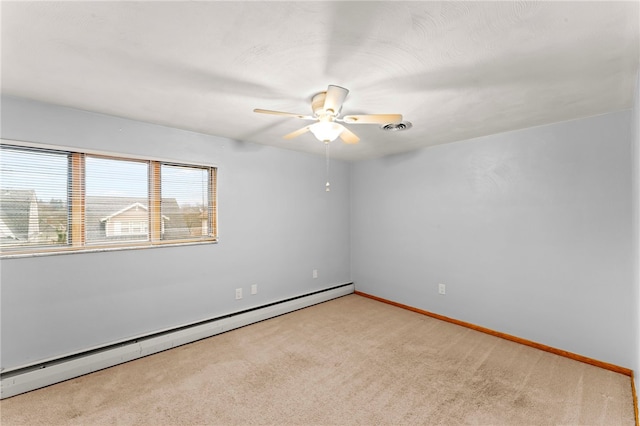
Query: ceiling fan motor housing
317, 105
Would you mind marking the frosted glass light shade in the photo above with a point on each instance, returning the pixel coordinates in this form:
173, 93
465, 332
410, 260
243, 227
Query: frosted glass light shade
326, 131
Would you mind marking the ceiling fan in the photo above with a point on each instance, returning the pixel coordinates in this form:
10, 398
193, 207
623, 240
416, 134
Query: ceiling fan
326, 107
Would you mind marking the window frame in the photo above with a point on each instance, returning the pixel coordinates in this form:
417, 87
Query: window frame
77, 201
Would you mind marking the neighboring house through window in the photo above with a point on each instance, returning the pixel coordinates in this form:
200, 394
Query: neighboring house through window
19, 220
131, 220
60, 200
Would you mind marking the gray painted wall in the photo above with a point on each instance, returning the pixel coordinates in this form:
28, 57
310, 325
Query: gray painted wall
276, 224
531, 231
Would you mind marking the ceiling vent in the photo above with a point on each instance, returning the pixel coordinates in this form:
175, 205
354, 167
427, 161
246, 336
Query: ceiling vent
397, 127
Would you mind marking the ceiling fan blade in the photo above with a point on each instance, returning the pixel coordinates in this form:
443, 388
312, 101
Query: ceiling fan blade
334, 98
286, 114
348, 136
297, 133
372, 118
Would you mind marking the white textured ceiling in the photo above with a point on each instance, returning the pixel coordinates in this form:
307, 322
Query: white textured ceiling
456, 70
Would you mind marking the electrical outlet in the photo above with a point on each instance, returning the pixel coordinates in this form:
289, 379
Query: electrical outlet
442, 289
254, 288
238, 293
315, 273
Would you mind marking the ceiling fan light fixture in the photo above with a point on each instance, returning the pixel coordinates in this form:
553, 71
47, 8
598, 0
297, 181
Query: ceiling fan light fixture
326, 131
327, 107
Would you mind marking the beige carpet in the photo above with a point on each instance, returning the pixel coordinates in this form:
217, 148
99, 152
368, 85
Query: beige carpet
348, 361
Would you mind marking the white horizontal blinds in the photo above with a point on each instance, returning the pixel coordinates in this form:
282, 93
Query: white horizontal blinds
185, 202
116, 200
33, 198
58, 200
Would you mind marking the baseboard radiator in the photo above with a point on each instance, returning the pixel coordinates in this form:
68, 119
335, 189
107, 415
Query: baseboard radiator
14, 382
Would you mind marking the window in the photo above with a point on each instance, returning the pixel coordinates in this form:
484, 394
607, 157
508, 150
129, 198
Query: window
185, 195
57, 200
33, 198
117, 194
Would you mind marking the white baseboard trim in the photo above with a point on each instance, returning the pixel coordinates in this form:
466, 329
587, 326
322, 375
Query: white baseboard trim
20, 381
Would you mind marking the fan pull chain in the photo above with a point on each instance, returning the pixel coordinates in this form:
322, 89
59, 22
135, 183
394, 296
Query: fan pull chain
326, 151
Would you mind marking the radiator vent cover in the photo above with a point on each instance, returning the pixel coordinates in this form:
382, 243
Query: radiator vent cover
397, 127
